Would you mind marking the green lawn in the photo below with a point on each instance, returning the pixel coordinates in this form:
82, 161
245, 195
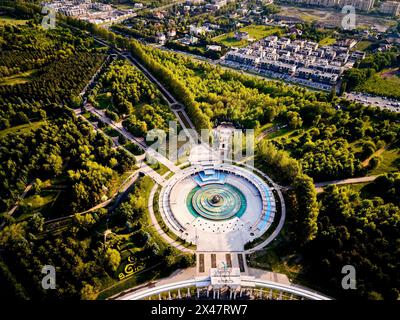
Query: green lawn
19, 78
328, 41
357, 186
366, 190
363, 45
37, 203
104, 100
262, 128
8, 20
156, 271
276, 258
164, 227
50, 202
385, 83
23, 128
158, 167
256, 32
118, 179
284, 132
390, 162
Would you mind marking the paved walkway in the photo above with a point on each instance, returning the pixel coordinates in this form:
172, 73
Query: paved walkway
184, 279
269, 275
22, 196
263, 134
138, 141
146, 169
119, 194
158, 228
15, 207
319, 185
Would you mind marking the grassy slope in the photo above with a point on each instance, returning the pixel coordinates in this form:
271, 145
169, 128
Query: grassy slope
363, 45
23, 128
382, 84
8, 20
19, 78
327, 41
256, 32
390, 162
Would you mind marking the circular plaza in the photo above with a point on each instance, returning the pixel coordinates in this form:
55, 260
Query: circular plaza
218, 206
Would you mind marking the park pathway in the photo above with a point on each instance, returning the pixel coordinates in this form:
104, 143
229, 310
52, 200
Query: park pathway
320, 185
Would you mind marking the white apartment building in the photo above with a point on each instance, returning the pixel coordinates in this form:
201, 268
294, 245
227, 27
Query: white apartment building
390, 8
362, 5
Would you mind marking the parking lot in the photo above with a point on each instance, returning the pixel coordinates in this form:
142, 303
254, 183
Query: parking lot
371, 100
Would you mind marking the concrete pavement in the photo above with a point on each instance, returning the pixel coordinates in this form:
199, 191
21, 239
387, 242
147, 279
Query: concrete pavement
158, 228
376, 101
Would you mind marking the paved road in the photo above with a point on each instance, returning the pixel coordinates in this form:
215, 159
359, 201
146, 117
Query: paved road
22, 196
122, 191
119, 194
144, 167
174, 105
254, 72
166, 94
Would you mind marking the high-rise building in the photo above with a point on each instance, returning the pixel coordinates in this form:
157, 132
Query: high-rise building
391, 8
362, 5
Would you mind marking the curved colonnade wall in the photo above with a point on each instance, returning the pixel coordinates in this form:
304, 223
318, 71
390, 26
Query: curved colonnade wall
205, 282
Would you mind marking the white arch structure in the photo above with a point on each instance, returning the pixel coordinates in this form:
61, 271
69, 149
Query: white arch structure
201, 283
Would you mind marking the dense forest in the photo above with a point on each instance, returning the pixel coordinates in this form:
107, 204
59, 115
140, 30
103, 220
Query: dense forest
86, 265
127, 95
58, 63
62, 147
330, 136
363, 233
69, 167
44, 139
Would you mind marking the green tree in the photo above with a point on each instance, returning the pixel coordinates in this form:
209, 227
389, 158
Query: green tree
113, 258
88, 292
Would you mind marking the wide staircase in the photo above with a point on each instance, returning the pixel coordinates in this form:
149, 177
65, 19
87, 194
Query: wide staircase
209, 175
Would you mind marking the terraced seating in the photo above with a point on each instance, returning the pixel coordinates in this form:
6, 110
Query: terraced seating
208, 176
